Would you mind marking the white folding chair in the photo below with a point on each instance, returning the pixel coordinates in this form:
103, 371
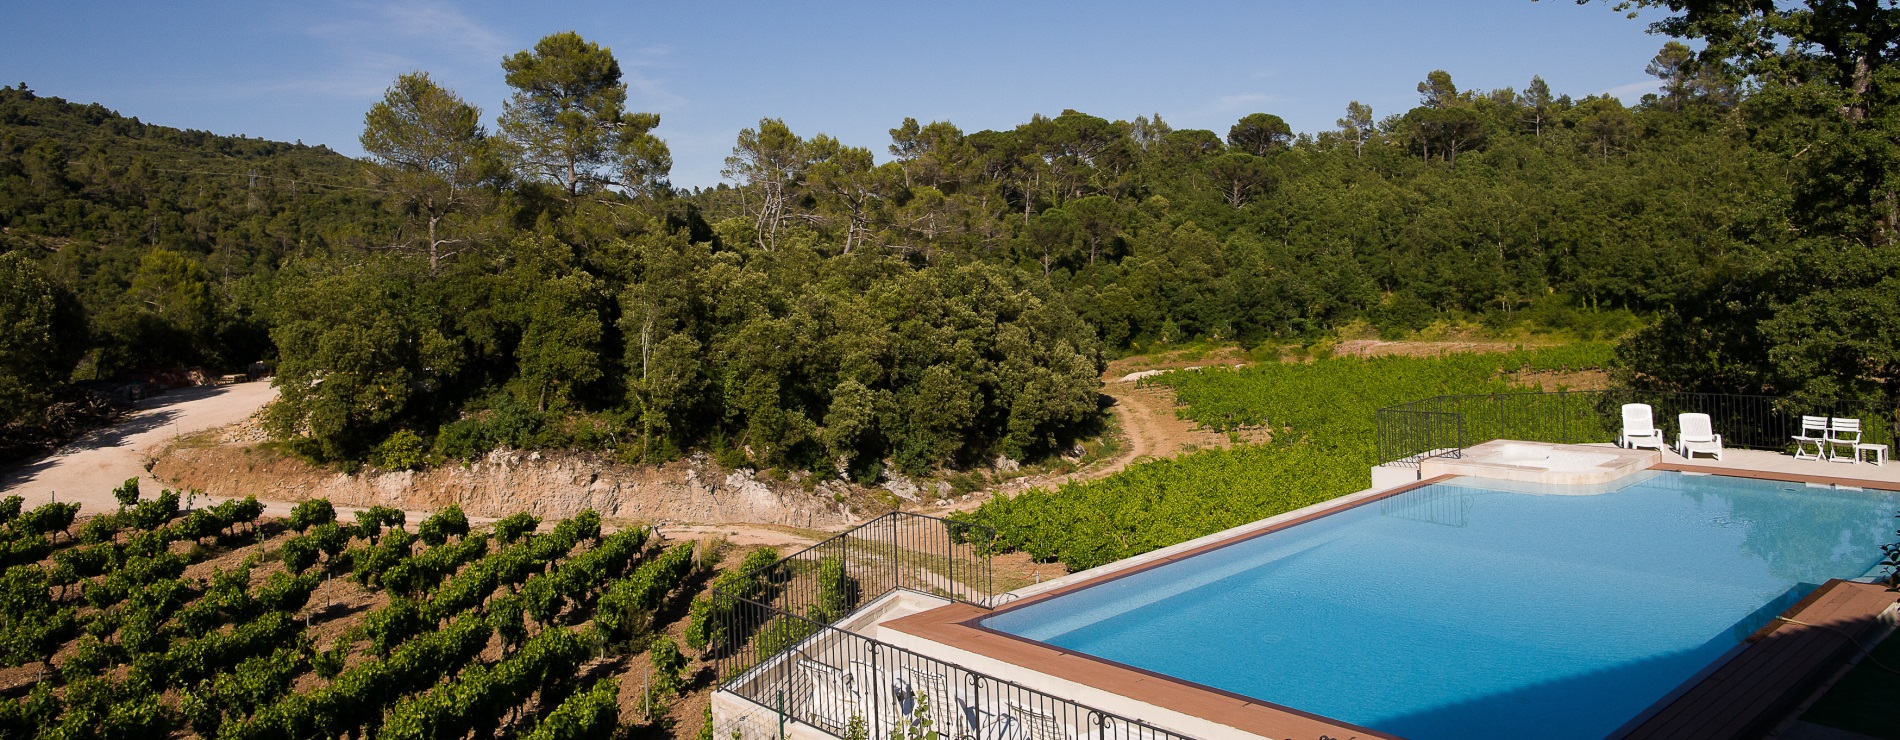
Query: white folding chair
1842, 432
1813, 432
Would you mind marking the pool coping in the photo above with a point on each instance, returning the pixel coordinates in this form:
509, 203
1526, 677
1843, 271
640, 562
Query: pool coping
959, 626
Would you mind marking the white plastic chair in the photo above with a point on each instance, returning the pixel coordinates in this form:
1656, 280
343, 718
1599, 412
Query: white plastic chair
1814, 430
1696, 434
888, 696
943, 712
1040, 724
1639, 428
830, 695
1843, 432
988, 725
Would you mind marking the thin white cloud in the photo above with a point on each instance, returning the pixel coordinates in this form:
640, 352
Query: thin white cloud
1637, 89
1239, 101
646, 94
1223, 108
428, 26
435, 21
655, 56
371, 44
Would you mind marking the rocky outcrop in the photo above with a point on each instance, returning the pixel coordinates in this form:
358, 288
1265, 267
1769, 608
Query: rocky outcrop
546, 485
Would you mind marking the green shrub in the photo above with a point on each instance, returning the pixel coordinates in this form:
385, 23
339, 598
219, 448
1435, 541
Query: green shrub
513, 527
706, 618
401, 451
440, 526
311, 513
669, 667
127, 493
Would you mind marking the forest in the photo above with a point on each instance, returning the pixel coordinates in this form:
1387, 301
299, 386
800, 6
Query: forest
539, 283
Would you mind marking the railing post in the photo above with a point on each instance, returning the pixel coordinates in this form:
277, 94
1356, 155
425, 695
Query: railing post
950, 548
976, 696
878, 689
1563, 415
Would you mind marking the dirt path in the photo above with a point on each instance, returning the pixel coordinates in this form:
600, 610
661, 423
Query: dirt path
1145, 425
88, 470
746, 534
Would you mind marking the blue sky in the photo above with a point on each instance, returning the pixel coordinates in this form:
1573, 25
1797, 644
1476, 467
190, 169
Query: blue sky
308, 71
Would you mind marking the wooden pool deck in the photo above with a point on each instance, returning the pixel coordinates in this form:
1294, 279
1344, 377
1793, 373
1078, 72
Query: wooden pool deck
1778, 666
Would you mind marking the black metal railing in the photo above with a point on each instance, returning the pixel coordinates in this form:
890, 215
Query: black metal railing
772, 640
899, 550
1444, 425
846, 685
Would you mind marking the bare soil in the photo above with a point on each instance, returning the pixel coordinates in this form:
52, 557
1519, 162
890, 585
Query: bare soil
89, 469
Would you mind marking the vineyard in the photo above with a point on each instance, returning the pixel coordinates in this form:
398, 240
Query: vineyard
155, 621
1322, 418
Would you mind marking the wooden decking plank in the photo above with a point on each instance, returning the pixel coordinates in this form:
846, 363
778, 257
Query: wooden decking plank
1844, 630
1748, 706
1763, 673
1776, 665
1716, 699
1826, 648
1718, 694
1713, 695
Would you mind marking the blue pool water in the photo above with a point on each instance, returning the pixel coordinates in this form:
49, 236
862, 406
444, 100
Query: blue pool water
1464, 610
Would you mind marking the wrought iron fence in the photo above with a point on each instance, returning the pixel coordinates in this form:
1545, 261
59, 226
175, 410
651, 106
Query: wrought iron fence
846, 684
772, 642
897, 550
1444, 425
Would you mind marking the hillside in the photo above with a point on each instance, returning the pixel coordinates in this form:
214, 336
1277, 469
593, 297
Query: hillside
837, 313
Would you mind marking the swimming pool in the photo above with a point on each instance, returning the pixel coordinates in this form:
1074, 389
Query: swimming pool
1475, 609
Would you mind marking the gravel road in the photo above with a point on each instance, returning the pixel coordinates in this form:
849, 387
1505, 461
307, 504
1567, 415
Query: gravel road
88, 470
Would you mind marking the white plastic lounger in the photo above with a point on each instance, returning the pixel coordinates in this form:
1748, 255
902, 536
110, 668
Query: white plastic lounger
829, 694
1696, 434
987, 725
1040, 724
935, 689
1639, 428
1813, 432
886, 695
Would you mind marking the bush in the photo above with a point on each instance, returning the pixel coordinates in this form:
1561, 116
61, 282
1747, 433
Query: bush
512, 528
705, 626
438, 528
312, 513
370, 521
127, 493
668, 667
401, 451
